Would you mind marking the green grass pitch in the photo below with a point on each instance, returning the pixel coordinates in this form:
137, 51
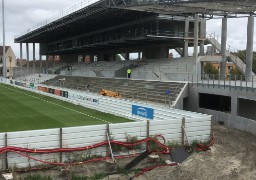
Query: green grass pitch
22, 110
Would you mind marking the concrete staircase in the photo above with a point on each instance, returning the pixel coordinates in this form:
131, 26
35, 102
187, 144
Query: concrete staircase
238, 62
176, 69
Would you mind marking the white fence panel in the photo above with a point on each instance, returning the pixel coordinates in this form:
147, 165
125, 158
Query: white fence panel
39, 139
84, 136
198, 128
2, 140
170, 129
2, 144
120, 131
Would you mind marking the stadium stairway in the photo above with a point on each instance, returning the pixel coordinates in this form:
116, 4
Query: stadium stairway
136, 90
235, 59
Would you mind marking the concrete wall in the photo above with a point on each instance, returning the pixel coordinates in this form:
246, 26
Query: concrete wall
232, 119
183, 94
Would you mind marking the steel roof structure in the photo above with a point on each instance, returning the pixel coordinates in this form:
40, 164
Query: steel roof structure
174, 7
125, 23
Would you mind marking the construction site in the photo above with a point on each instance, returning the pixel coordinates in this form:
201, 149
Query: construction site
116, 57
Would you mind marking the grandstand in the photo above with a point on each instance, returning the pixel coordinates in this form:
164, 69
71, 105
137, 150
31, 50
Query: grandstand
100, 31
138, 90
88, 42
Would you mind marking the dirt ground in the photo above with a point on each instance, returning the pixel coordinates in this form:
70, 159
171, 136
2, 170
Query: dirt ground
233, 156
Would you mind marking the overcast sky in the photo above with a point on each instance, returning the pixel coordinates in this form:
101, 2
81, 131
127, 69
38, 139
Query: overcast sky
21, 15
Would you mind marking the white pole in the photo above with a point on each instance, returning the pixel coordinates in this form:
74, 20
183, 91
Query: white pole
4, 58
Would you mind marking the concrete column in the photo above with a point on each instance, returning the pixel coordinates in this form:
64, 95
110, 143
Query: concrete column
196, 37
53, 56
185, 48
223, 48
34, 57
47, 60
234, 111
202, 35
249, 48
139, 55
21, 57
21, 54
127, 55
114, 56
91, 58
157, 26
40, 59
27, 51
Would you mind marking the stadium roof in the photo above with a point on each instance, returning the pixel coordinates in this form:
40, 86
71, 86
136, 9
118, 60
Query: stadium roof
112, 11
206, 7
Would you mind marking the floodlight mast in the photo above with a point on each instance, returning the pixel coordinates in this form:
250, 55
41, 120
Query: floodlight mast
4, 58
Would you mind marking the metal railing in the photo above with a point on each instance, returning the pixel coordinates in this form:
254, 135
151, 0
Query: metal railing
230, 81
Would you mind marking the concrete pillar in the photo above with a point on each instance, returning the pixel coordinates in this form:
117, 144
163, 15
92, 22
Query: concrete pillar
34, 57
114, 56
157, 26
27, 51
185, 48
234, 111
47, 60
40, 59
21, 54
21, 57
91, 58
127, 55
223, 48
202, 35
139, 55
54, 60
196, 37
249, 48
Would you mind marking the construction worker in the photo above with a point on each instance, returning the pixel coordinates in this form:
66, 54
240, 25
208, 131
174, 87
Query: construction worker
129, 72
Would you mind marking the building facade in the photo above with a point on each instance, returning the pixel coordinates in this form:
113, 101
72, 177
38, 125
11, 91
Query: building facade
10, 61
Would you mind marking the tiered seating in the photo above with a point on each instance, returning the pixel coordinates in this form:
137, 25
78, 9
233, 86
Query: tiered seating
97, 69
164, 69
56, 68
36, 78
151, 91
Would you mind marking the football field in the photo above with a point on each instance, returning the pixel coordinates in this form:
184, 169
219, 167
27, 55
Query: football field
22, 110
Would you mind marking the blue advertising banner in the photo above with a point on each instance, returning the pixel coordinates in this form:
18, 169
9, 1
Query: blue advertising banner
143, 111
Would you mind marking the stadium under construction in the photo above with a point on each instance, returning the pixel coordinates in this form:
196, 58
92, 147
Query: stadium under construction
107, 28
